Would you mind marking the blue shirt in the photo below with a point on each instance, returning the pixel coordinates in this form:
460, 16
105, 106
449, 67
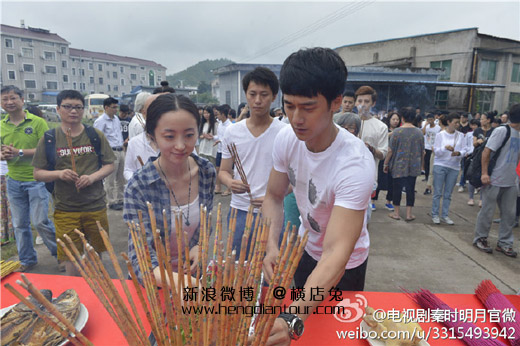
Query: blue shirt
111, 128
146, 185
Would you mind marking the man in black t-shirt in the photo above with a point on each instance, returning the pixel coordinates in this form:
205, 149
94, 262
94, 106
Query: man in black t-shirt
124, 118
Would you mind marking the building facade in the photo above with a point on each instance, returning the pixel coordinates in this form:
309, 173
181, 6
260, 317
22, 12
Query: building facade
42, 63
463, 56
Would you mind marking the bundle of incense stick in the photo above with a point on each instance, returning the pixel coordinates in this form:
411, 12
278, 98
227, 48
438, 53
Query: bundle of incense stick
493, 299
238, 163
215, 307
7, 267
428, 300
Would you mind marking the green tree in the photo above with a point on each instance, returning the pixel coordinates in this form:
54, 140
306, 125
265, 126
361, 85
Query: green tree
205, 98
204, 88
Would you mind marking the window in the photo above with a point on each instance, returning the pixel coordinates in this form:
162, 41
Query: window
28, 68
228, 97
142, 68
91, 80
444, 64
112, 64
100, 67
10, 58
441, 99
100, 80
47, 43
143, 77
121, 69
11, 75
50, 69
73, 71
82, 86
82, 72
65, 78
108, 74
8, 43
52, 85
513, 98
122, 82
74, 85
133, 76
49, 55
487, 69
64, 63
63, 50
30, 84
485, 100
116, 88
515, 76
90, 66
114, 74
27, 52
133, 67
108, 87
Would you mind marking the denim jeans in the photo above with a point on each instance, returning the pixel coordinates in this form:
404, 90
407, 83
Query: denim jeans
29, 201
239, 230
444, 180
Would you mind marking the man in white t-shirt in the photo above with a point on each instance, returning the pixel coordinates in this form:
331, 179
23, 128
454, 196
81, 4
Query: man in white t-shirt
254, 139
331, 173
373, 131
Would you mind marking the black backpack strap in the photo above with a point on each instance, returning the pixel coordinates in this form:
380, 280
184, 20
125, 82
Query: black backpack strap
95, 141
50, 148
508, 134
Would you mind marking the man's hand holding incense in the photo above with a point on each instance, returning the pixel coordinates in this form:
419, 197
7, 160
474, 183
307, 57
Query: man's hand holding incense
279, 334
257, 202
69, 175
269, 262
84, 181
237, 186
194, 259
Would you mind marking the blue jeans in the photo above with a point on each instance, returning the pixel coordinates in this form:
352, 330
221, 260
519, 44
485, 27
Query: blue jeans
239, 230
29, 202
444, 180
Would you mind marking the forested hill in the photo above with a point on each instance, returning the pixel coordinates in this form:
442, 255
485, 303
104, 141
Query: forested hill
200, 72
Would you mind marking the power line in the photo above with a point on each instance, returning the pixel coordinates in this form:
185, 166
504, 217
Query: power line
329, 19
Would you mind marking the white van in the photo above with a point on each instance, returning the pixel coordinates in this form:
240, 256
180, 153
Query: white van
94, 105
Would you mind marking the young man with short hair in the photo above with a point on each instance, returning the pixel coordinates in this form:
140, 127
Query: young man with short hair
331, 173
254, 139
501, 187
109, 124
373, 131
78, 195
29, 201
348, 101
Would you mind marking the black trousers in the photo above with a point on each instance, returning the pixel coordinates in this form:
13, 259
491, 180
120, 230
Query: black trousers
352, 280
409, 185
427, 156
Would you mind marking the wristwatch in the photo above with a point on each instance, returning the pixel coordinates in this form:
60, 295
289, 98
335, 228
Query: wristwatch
295, 325
20, 152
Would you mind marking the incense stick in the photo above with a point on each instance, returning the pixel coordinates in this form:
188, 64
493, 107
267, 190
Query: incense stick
238, 164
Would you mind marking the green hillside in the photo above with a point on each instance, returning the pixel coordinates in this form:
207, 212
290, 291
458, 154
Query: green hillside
200, 72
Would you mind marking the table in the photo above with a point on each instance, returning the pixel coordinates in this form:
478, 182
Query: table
319, 329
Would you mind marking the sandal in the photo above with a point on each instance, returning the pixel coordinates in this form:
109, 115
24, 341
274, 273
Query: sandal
410, 219
392, 216
227, 193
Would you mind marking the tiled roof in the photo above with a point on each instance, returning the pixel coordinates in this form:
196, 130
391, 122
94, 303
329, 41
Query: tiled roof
73, 52
37, 34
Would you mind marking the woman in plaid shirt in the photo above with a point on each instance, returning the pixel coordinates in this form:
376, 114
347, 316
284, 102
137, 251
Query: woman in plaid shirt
178, 181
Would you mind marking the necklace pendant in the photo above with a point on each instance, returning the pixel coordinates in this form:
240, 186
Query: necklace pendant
187, 223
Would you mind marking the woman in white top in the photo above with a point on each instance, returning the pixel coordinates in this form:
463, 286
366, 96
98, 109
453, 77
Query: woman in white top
208, 130
449, 148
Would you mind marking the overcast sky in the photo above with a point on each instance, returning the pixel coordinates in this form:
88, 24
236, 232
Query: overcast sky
179, 34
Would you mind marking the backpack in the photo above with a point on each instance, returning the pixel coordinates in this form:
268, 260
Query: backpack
473, 166
50, 149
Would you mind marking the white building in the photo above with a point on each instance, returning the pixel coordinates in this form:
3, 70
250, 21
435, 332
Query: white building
42, 63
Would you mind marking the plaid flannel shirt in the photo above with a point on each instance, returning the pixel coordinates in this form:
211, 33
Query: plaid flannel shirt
146, 185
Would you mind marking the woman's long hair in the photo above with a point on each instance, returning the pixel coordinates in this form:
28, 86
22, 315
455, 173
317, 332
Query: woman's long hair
212, 120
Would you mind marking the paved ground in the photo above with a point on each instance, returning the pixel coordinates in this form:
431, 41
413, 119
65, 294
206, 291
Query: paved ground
411, 255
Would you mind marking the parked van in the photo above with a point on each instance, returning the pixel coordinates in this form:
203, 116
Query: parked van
94, 105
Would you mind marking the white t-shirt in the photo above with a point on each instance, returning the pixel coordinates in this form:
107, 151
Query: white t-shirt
136, 125
188, 230
429, 136
442, 155
374, 132
342, 175
221, 130
256, 156
138, 146
3, 168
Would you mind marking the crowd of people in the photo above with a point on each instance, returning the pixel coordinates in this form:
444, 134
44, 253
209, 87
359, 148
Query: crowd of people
324, 172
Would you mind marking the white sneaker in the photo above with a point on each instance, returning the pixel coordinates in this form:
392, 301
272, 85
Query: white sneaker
461, 189
436, 220
39, 240
447, 220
